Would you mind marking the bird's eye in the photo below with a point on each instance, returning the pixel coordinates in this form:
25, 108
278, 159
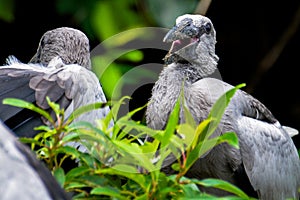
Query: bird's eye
207, 27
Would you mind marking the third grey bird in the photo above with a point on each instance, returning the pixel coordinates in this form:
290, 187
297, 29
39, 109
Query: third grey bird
61, 70
267, 161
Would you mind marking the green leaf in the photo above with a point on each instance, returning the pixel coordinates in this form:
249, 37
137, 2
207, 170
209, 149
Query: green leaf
223, 185
94, 180
54, 106
30, 141
207, 127
74, 185
138, 178
201, 131
87, 131
136, 153
84, 109
24, 104
229, 137
107, 191
68, 150
74, 136
219, 107
59, 175
190, 190
43, 128
87, 159
133, 125
176, 166
171, 125
77, 172
188, 117
125, 168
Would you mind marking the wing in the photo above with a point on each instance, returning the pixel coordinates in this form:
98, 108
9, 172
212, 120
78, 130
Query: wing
34, 181
267, 151
14, 83
71, 86
269, 155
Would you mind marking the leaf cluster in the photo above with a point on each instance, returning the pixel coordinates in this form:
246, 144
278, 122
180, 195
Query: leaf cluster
117, 162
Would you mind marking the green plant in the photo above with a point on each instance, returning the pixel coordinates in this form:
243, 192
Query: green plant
118, 164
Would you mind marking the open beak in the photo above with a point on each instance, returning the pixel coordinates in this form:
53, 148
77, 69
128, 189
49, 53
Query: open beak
174, 34
183, 37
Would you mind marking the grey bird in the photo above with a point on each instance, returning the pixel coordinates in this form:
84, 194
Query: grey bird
22, 175
61, 70
267, 164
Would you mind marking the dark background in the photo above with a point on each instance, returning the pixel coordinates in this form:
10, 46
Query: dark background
246, 32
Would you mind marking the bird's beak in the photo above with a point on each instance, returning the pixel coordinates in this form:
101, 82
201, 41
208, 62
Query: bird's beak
182, 31
185, 39
172, 35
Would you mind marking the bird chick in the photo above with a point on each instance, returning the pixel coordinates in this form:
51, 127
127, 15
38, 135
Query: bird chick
267, 164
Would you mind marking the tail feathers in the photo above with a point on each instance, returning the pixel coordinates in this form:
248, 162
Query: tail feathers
21, 121
291, 131
10, 60
24, 122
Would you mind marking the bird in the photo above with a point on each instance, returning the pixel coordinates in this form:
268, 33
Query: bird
266, 165
22, 175
61, 70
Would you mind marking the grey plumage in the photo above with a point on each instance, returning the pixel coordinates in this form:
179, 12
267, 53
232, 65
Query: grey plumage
22, 175
60, 69
267, 159
71, 45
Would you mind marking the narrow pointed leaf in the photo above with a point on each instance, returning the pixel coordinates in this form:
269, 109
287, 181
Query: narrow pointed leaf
24, 104
223, 185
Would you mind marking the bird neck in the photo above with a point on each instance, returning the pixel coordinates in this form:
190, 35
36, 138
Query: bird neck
173, 79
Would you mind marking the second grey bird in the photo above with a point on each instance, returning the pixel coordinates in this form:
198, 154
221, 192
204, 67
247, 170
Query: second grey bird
22, 175
267, 164
61, 70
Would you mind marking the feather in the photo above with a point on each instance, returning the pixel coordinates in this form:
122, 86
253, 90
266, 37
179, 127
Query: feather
267, 159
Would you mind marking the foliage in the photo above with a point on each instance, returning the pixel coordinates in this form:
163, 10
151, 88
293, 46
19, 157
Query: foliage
108, 20
6, 10
118, 164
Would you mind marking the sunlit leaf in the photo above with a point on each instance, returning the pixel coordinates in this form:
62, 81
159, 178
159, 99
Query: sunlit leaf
74, 185
231, 138
84, 109
138, 178
171, 124
23, 104
125, 168
68, 150
108, 191
219, 107
223, 185
30, 141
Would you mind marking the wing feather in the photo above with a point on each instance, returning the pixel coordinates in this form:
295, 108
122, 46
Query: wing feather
267, 152
67, 84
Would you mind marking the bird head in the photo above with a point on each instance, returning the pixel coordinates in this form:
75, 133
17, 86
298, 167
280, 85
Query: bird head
70, 45
194, 39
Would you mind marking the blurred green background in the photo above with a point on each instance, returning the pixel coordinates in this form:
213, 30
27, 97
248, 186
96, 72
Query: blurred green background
258, 42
